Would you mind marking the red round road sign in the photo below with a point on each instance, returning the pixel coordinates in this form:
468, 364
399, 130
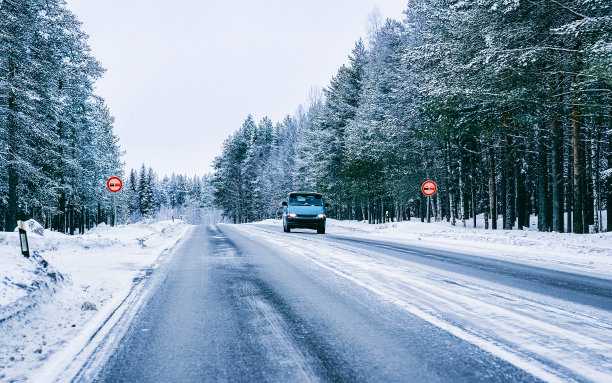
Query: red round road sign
114, 184
429, 188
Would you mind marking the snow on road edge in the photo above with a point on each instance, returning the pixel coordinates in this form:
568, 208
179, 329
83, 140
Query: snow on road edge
100, 268
585, 254
529, 330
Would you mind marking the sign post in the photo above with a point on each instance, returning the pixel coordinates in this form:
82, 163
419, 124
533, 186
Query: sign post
429, 188
23, 239
114, 184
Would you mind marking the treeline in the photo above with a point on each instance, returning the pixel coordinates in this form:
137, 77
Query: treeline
57, 145
146, 196
506, 105
259, 166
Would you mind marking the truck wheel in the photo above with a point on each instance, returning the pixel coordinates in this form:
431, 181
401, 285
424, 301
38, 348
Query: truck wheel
321, 230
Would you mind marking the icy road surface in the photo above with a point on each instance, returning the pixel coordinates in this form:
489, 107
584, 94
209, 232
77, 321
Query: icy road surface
251, 303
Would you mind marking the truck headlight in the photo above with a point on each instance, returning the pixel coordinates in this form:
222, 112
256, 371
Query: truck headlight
291, 215
321, 216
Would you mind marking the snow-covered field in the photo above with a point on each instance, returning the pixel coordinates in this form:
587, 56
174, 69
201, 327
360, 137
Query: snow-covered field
554, 339
43, 308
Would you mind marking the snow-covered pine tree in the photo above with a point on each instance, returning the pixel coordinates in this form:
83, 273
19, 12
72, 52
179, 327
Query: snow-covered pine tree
54, 131
145, 193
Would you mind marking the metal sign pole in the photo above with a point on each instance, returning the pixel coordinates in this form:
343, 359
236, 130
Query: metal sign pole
114, 184
429, 188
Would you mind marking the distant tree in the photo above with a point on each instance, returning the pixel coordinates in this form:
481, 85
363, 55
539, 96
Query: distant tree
145, 193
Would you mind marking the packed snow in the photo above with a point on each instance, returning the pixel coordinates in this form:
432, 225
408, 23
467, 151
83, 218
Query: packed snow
587, 254
553, 339
70, 281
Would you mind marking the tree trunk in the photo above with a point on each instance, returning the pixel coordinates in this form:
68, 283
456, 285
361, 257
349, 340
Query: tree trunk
492, 189
557, 175
510, 209
588, 185
556, 142
82, 221
543, 212
569, 195
422, 208
71, 218
595, 181
449, 173
578, 170
473, 164
363, 211
461, 194
13, 176
521, 199
438, 208
609, 177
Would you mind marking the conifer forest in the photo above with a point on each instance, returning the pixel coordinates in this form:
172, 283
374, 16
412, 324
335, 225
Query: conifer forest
506, 105
57, 145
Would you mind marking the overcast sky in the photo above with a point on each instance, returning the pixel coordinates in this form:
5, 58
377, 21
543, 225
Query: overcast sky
183, 75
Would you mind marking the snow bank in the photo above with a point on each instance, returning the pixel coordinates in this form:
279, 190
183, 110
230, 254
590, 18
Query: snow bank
587, 254
32, 226
41, 308
24, 282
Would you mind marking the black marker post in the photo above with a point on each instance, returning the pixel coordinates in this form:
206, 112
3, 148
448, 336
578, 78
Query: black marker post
23, 238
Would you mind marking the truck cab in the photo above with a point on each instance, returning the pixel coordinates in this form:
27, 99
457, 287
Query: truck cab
304, 210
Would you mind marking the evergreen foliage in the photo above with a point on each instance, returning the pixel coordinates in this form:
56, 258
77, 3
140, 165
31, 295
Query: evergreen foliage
505, 104
145, 196
57, 146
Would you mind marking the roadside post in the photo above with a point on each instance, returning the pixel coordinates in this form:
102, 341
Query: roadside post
429, 188
114, 184
23, 239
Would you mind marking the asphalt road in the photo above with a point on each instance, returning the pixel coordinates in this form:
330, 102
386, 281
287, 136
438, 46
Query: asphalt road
233, 309
585, 290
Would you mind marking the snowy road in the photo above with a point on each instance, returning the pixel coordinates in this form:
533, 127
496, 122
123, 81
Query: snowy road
250, 303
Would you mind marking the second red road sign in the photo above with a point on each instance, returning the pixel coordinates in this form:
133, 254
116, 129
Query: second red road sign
429, 188
114, 184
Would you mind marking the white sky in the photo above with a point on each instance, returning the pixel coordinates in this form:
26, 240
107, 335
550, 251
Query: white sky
183, 75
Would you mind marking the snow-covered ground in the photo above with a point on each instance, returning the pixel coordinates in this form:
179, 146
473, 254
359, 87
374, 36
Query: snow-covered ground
44, 311
554, 339
43, 308
587, 254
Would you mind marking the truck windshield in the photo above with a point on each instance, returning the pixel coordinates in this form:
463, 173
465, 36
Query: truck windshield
305, 200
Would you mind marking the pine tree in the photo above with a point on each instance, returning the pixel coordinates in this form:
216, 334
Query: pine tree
145, 193
54, 131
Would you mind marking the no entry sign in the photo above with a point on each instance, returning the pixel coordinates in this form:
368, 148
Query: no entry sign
429, 188
114, 184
